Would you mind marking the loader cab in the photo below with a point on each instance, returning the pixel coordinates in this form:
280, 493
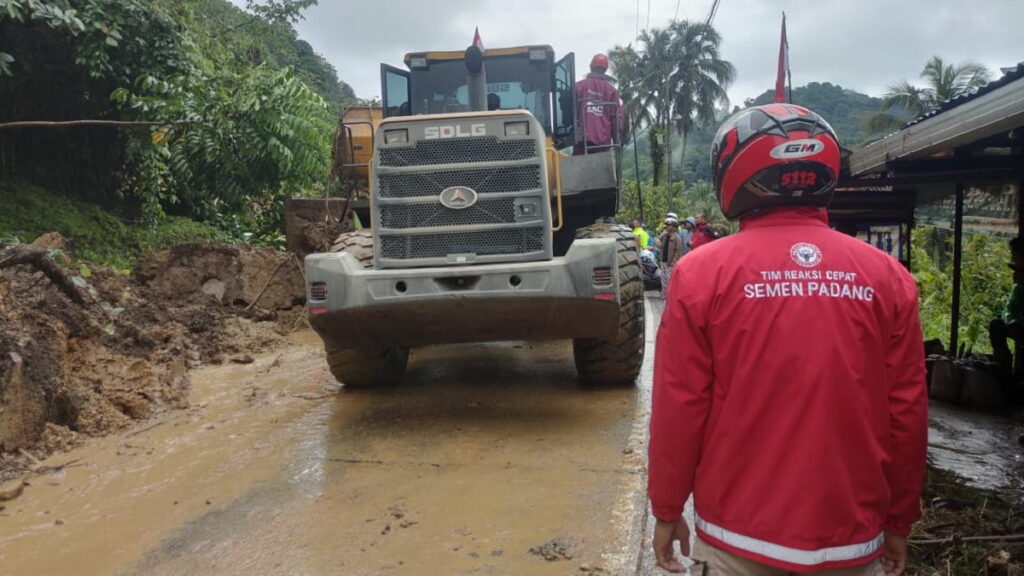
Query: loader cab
521, 78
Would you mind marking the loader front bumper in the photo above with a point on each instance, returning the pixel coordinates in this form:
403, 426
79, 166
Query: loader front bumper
575, 296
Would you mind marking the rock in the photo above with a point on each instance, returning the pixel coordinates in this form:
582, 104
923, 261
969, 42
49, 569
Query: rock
51, 241
233, 274
214, 287
554, 550
11, 489
242, 359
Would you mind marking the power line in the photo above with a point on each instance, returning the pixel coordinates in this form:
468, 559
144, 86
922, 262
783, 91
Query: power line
638, 20
711, 13
676, 17
648, 27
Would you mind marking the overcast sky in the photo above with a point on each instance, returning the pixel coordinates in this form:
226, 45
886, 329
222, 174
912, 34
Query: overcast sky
863, 45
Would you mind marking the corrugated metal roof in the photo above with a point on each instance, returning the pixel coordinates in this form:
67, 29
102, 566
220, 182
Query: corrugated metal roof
1010, 75
994, 108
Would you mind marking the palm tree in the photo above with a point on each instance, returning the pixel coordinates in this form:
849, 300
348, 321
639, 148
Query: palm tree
675, 79
943, 82
700, 79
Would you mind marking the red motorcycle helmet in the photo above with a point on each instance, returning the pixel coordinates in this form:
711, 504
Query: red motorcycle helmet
774, 155
599, 61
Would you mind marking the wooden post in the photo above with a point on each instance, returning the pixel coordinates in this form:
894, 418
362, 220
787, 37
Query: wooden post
958, 236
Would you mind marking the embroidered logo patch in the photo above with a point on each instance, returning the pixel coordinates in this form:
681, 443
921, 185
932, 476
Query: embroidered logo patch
806, 255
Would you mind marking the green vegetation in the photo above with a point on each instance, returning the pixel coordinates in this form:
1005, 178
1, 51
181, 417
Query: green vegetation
675, 79
659, 199
904, 101
985, 286
227, 112
93, 235
847, 111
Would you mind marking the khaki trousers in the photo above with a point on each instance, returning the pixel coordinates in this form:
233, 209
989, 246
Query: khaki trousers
711, 561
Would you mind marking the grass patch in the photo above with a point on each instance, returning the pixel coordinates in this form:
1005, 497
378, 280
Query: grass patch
93, 235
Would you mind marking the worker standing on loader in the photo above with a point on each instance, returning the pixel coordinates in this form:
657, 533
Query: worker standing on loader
789, 381
598, 110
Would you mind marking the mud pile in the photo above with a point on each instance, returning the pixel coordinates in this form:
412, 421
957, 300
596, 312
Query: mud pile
87, 352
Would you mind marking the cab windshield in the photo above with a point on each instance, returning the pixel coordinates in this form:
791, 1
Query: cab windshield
513, 82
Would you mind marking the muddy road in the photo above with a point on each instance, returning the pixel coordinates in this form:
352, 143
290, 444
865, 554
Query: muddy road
488, 459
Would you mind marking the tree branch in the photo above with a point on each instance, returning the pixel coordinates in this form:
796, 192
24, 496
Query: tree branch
39, 257
73, 123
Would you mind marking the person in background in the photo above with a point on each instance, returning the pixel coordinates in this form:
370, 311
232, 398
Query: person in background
703, 232
1010, 324
793, 409
671, 251
643, 239
686, 233
598, 110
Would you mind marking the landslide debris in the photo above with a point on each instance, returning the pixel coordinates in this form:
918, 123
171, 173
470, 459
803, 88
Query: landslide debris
88, 351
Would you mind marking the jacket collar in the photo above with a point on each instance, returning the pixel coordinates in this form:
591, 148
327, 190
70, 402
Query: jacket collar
790, 216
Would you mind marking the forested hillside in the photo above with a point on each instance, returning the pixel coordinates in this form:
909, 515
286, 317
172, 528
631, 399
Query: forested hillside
209, 111
846, 110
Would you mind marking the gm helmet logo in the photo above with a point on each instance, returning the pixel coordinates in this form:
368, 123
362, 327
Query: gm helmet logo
458, 197
797, 149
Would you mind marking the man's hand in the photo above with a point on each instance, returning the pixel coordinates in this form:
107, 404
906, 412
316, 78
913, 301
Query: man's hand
665, 533
894, 554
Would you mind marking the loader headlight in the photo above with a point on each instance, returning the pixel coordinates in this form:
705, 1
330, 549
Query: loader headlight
517, 129
396, 136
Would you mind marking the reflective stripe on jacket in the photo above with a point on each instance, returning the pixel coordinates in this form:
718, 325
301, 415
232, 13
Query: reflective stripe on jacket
789, 394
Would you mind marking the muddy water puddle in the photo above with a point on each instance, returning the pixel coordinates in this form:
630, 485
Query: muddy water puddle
486, 460
980, 447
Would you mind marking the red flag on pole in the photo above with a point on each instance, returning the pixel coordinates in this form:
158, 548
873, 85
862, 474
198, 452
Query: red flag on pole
477, 41
783, 72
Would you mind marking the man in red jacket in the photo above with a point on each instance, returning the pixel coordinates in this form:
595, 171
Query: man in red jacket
598, 110
703, 232
789, 386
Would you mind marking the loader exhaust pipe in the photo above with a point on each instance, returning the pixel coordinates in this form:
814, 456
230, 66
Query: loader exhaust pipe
477, 78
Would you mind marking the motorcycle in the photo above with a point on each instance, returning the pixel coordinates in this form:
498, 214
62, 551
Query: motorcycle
651, 270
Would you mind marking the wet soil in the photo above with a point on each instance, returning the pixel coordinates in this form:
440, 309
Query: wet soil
487, 460
101, 350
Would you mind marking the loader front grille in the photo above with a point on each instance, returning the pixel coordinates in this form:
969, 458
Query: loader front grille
488, 211
517, 241
483, 181
458, 151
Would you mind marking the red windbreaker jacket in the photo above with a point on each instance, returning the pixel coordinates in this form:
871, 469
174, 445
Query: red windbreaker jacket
789, 395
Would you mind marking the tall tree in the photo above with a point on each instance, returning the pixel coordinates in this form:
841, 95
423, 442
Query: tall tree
700, 79
674, 79
943, 82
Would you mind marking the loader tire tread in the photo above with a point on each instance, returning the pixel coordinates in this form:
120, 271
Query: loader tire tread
616, 360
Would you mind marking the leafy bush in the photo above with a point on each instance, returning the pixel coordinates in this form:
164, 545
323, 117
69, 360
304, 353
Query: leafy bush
986, 283
235, 130
659, 199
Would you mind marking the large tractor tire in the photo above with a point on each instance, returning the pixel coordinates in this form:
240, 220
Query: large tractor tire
364, 367
372, 365
616, 360
358, 243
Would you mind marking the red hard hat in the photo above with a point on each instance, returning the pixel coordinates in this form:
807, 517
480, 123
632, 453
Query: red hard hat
774, 155
599, 61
